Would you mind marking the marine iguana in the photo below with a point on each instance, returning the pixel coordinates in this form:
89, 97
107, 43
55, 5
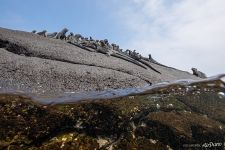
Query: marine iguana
42, 33
138, 58
62, 34
34, 31
198, 73
70, 37
51, 35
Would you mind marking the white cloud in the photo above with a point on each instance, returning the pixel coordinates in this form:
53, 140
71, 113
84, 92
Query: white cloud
179, 33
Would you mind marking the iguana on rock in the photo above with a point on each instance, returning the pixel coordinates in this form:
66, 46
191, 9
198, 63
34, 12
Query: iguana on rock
42, 33
34, 31
51, 35
62, 34
198, 73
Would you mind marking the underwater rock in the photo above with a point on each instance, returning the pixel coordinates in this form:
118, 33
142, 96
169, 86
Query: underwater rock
131, 122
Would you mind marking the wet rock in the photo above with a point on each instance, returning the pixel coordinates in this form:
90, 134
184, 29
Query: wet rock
195, 121
26, 123
71, 141
208, 103
139, 143
179, 128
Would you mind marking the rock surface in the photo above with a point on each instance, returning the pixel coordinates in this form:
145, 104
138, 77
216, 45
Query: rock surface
173, 116
55, 65
184, 120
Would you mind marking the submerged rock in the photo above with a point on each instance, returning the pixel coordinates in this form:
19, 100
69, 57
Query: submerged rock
195, 121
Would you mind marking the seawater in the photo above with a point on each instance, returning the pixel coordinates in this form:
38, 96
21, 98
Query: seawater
180, 87
184, 114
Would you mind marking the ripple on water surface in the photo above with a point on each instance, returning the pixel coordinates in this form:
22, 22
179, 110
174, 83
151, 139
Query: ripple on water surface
179, 87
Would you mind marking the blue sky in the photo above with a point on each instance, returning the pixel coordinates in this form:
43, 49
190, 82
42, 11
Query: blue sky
81, 16
178, 33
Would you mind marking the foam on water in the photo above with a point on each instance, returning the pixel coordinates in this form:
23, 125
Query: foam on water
179, 87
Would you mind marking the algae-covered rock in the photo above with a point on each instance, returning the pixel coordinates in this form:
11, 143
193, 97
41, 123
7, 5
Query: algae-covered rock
180, 128
23, 122
71, 141
158, 119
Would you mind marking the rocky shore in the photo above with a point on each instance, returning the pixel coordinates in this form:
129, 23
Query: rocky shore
177, 115
55, 65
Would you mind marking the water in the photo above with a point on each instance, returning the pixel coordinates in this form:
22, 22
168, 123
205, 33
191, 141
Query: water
176, 87
184, 114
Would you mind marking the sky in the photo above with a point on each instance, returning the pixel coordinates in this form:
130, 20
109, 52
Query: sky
178, 33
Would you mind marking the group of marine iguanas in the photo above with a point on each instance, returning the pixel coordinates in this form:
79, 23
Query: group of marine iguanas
103, 46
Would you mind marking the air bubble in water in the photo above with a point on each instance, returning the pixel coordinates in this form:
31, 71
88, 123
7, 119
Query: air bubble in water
221, 94
169, 106
157, 106
187, 89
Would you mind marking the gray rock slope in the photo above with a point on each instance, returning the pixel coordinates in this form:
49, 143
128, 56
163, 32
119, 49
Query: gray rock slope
49, 64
